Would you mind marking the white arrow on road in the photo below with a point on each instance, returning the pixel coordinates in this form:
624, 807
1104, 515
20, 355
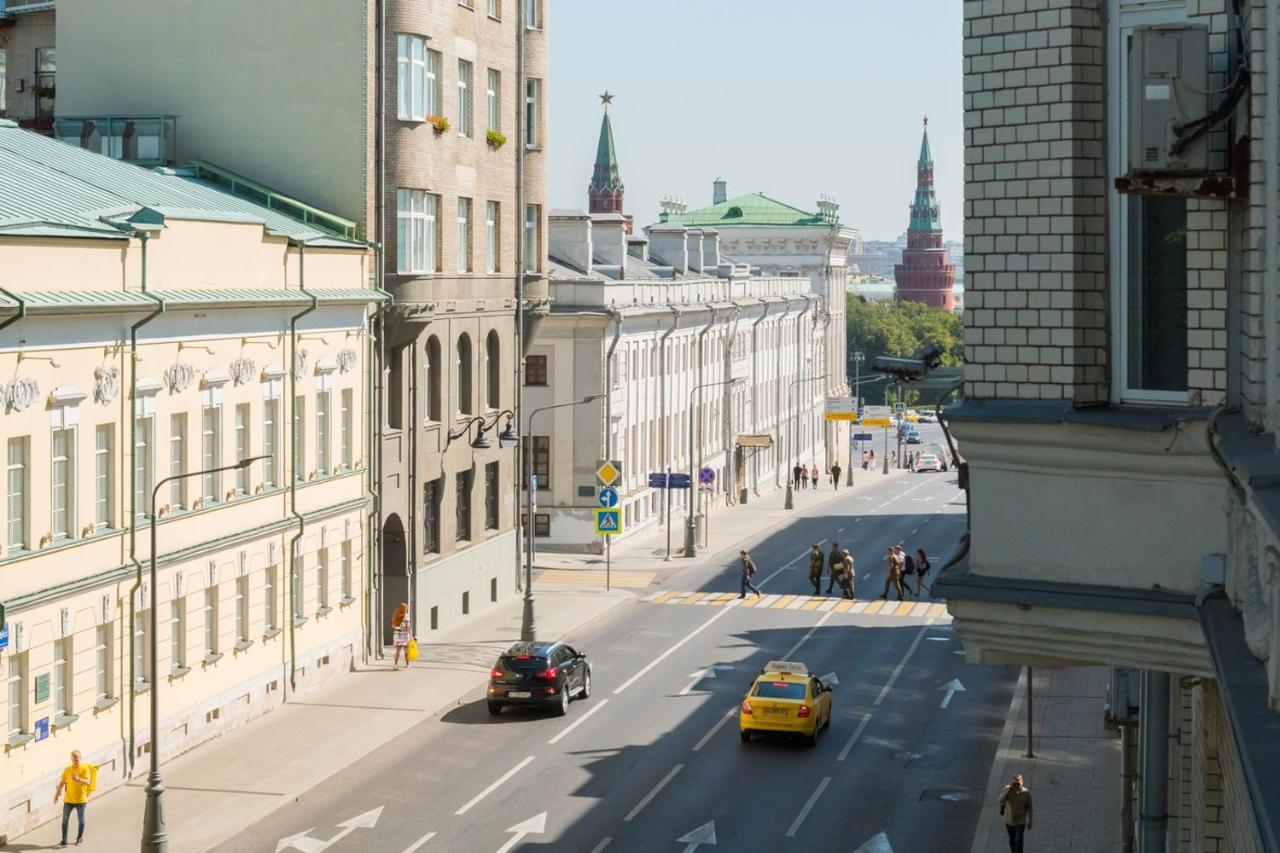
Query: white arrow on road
830, 679
878, 844
535, 825
705, 834
952, 687
709, 672
304, 842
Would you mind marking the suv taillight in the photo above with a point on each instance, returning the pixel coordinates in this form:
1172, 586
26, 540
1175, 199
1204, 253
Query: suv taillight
746, 707
548, 674
803, 712
496, 673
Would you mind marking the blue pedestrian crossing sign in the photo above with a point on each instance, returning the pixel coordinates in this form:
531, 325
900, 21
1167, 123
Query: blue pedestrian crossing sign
608, 497
608, 522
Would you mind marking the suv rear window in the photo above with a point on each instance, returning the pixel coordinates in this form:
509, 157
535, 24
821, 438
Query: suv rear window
523, 664
780, 690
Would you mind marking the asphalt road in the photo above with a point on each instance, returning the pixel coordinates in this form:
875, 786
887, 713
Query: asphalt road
654, 754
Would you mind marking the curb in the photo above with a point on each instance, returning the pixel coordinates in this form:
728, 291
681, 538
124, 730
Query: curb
989, 815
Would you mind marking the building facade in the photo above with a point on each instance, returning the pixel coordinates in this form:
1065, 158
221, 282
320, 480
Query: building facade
424, 142
926, 273
155, 326
28, 63
1120, 413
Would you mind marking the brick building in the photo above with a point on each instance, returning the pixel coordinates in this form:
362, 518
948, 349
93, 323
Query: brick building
926, 273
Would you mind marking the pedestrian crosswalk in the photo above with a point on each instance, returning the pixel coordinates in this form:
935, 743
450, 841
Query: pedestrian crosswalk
592, 577
877, 607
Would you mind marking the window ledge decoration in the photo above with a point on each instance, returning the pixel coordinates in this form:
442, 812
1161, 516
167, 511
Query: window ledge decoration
324, 611
230, 495
271, 633
299, 621
63, 720
347, 360
105, 702
300, 364
179, 377
20, 394
141, 686
495, 138
20, 739
439, 123
106, 385
178, 671
242, 370
346, 601
211, 658
243, 645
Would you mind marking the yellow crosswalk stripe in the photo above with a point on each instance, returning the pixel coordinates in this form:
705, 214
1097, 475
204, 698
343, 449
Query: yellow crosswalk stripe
875, 607
725, 596
811, 604
844, 605
665, 597
820, 603
784, 601
904, 608
937, 610
751, 601
697, 596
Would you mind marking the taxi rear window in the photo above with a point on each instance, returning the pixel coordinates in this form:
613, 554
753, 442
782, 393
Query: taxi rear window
780, 690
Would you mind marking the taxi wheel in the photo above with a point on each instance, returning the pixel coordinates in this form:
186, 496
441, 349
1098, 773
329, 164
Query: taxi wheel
813, 738
745, 735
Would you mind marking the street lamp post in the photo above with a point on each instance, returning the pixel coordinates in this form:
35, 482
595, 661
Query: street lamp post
788, 502
528, 626
690, 540
858, 358
155, 838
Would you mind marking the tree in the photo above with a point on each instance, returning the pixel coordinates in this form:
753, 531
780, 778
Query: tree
899, 329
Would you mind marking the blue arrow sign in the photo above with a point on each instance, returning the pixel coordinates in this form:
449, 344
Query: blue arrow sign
678, 481
608, 497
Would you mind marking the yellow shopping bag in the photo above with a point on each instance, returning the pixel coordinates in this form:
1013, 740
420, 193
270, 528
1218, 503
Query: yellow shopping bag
411, 653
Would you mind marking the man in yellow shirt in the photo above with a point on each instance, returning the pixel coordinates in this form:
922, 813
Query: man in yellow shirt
77, 779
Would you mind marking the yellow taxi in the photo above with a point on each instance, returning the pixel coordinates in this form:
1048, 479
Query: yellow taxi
786, 699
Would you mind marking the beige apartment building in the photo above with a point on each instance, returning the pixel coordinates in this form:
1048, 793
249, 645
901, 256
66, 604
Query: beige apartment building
415, 121
28, 63
1120, 406
156, 325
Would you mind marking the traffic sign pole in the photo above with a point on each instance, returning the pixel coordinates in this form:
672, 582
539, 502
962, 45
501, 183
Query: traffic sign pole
667, 494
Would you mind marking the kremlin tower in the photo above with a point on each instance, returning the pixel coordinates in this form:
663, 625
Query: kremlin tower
926, 273
606, 189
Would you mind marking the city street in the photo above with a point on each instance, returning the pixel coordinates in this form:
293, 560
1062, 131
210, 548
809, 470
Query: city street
652, 760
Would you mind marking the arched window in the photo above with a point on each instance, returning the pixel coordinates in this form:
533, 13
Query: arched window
492, 364
464, 374
435, 382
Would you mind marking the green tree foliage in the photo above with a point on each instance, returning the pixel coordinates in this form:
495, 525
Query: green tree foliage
899, 329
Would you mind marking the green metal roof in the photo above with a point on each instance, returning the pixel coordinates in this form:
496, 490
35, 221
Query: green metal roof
926, 215
747, 210
53, 300
926, 157
605, 176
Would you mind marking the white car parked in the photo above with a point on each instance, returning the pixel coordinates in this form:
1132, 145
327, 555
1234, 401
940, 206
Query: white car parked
928, 462
928, 418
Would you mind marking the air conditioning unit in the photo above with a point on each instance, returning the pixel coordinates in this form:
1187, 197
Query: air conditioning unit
1168, 87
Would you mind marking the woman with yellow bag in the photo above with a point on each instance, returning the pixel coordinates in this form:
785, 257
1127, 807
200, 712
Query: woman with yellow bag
402, 636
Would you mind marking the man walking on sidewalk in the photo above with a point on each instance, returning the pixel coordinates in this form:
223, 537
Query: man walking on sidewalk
78, 780
1015, 808
797, 475
815, 569
835, 475
748, 569
835, 561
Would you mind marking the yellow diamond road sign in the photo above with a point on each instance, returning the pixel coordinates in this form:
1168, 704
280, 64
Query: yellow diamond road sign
608, 473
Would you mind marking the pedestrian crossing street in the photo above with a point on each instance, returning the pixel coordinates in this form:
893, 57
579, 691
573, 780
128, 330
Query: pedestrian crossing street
911, 608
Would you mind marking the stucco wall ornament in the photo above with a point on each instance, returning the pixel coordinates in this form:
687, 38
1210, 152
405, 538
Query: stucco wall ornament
106, 384
20, 394
300, 358
179, 377
242, 370
347, 360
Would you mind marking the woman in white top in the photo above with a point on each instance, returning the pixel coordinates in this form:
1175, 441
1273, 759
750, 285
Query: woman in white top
402, 631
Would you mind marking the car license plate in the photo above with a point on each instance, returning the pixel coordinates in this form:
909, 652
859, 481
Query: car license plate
519, 694
775, 712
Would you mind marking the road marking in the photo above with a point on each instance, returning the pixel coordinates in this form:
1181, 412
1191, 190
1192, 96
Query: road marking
729, 715
695, 598
952, 687
579, 721
604, 842
653, 793
843, 605
489, 790
902, 663
660, 658
535, 825
920, 609
705, 834
904, 608
857, 733
783, 601
860, 606
830, 604
304, 842
808, 634
709, 672
797, 602
421, 841
804, 812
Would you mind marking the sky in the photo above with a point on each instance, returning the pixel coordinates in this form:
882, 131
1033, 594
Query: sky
789, 99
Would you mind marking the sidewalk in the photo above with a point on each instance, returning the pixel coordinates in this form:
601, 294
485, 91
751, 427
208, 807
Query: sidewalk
1075, 777
226, 785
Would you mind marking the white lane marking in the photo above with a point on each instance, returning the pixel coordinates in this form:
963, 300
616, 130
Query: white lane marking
489, 790
952, 687
579, 721
808, 634
902, 663
791, 563
804, 812
421, 841
687, 637
857, 733
709, 672
604, 842
535, 825
653, 793
729, 715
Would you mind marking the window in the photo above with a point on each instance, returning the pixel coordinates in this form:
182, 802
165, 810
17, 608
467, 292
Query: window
1156, 294
463, 506
177, 634
17, 694
535, 370
345, 427
299, 435
492, 258
491, 496
541, 460
210, 622
493, 370
296, 594
269, 622
63, 495
17, 494
63, 667
345, 570
431, 517
542, 524
177, 460
494, 10
270, 433
532, 237
45, 80
103, 662
242, 609
322, 580
417, 79
492, 96
465, 105
141, 648
244, 447
416, 231
211, 452
532, 97
435, 382
464, 374
533, 14
104, 476
464, 235
323, 399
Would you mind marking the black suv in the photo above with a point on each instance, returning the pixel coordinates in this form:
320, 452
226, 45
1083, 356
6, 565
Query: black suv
540, 674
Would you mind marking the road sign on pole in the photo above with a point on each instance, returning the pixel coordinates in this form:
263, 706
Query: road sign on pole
609, 472
677, 481
840, 409
863, 436
706, 476
658, 481
608, 497
608, 521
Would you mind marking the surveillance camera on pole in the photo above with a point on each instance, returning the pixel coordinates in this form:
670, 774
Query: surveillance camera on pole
911, 369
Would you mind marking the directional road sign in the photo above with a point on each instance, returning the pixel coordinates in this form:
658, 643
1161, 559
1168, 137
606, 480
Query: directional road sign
608, 497
608, 522
609, 472
840, 408
678, 481
657, 481
863, 436
706, 476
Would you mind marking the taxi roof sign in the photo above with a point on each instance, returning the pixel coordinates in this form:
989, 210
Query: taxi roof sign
788, 667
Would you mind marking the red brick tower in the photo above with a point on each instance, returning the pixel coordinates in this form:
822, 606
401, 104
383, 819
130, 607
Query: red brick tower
606, 190
926, 273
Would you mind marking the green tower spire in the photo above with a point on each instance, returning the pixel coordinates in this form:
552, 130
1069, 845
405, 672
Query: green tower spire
926, 216
605, 191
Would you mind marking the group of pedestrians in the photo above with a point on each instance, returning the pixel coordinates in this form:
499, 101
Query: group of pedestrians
899, 569
868, 459
840, 563
807, 476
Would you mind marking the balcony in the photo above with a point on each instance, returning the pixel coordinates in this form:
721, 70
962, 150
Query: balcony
143, 140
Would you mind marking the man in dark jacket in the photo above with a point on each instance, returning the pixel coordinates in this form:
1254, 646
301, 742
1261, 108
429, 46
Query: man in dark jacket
748, 569
835, 563
815, 569
797, 476
836, 470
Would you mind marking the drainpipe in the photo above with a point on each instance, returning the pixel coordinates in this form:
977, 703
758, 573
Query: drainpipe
133, 500
755, 414
726, 428
607, 443
664, 453
695, 493
521, 344
1153, 820
296, 542
22, 308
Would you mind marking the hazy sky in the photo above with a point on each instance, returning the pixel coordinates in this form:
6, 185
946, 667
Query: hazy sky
790, 99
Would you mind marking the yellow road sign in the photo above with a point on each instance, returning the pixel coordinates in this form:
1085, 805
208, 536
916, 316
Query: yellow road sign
608, 521
608, 473
841, 416
873, 422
